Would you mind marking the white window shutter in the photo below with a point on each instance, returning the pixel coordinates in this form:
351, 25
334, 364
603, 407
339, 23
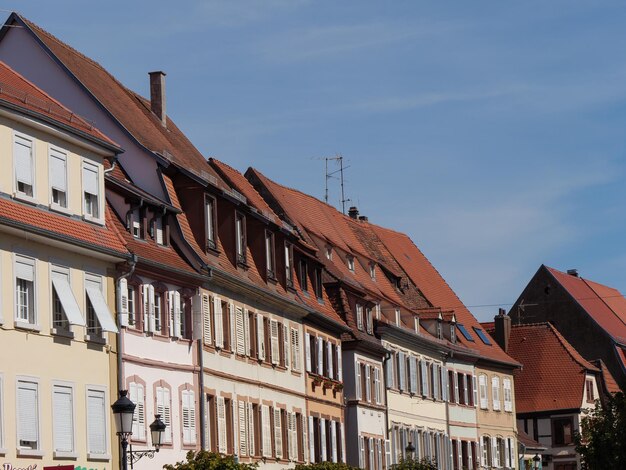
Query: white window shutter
151, 317
482, 452
457, 396
401, 371
322, 422
266, 431
368, 384
483, 391
246, 332
123, 296
495, 389
177, 332
218, 322
343, 443
329, 359
307, 347
507, 457
96, 422
359, 316
274, 343
243, 434
339, 364
424, 371
286, 347
388, 453
295, 349
494, 452
170, 309
206, 318
231, 322
311, 441
320, 356
333, 440
305, 428
145, 294
251, 436
222, 441
444, 383
413, 374
240, 332
436, 388
278, 433
389, 364
377, 397
23, 160
63, 419
357, 367
475, 387
361, 452
260, 337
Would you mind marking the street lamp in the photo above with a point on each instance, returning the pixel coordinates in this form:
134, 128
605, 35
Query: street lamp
536, 460
123, 411
410, 450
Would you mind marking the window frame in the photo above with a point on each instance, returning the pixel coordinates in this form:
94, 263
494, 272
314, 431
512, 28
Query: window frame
100, 335
32, 322
553, 425
210, 222
270, 254
304, 275
92, 456
241, 241
65, 271
319, 292
23, 451
64, 454
289, 265
91, 166
17, 194
350, 262
53, 205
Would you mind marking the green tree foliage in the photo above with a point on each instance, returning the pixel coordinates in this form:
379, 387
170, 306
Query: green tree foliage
414, 464
601, 441
325, 466
204, 460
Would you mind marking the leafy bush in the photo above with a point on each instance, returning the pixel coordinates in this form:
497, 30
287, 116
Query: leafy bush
415, 464
204, 460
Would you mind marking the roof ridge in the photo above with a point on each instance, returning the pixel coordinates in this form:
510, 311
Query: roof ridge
575, 355
603, 299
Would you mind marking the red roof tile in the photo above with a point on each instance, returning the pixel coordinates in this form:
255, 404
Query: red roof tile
553, 373
436, 290
609, 382
101, 238
18, 91
605, 305
129, 108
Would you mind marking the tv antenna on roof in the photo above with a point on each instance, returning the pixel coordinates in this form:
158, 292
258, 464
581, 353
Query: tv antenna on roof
339, 159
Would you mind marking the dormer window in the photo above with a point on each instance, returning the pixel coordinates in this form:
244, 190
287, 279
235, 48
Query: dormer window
452, 333
289, 264
416, 324
373, 271
304, 280
135, 223
159, 234
329, 252
398, 320
240, 234
439, 330
269, 255
210, 215
350, 260
318, 284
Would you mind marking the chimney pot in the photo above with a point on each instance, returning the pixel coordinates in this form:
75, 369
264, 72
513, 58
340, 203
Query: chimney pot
353, 212
573, 272
363, 218
502, 333
157, 95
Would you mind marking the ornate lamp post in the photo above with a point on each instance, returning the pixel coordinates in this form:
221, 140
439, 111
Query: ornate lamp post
123, 410
536, 460
410, 450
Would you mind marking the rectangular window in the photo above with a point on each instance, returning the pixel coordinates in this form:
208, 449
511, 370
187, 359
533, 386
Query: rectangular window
58, 178
159, 235
28, 415
96, 422
132, 305
289, 264
24, 164
508, 399
269, 255
91, 190
158, 312
304, 280
189, 417
210, 215
135, 223
495, 391
136, 394
318, 284
63, 419
25, 290
482, 385
562, 431
589, 389
350, 260
240, 234
164, 408
99, 317
359, 317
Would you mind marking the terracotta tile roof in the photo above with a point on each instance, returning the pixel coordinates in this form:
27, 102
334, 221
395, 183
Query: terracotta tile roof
435, 289
148, 249
608, 381
47, 223
605, 305
130, 109
621, 354
528, 441
18, 91
553, 373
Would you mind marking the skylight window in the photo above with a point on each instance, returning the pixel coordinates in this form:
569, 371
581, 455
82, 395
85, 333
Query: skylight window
464, 332
483, 337
350, 263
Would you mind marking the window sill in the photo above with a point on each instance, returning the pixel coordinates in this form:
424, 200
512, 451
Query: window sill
25, 198
21, 452
93, 220
98, 457
3, 451
60, 209
22, 325
64, 455
95, 339
62, 333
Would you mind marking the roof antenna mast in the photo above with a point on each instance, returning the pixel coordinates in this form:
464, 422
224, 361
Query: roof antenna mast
339, 159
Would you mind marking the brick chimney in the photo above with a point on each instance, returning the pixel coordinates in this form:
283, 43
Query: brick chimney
157, 95
353, 212
503, 329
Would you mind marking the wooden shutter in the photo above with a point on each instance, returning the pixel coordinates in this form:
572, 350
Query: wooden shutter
333, 440
240, 332
436, 376
377, 397
286, 348
359, 316
320, 356
307, 346
508, 402
163, 408
401, 371
139, 419
202, 308
305, 434
274, 343
278, 433
151, 313
343, 443
251, 430
368, 384
266, 431
246, 332
389, 364
413, 374
123, 296
388, 453
329, 360
231, 323
444, 383
311, 440
189, 416
218, 321
177, 332
243, 430
295, 349
361, 452
357, 368
260, 337
495, 390
339, 364
222, 438
322, 423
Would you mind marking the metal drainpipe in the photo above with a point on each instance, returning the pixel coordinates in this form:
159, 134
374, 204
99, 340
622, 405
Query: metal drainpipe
201, 397
120, 376
113, 164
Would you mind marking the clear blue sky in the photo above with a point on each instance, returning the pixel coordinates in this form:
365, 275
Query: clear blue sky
492, 132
